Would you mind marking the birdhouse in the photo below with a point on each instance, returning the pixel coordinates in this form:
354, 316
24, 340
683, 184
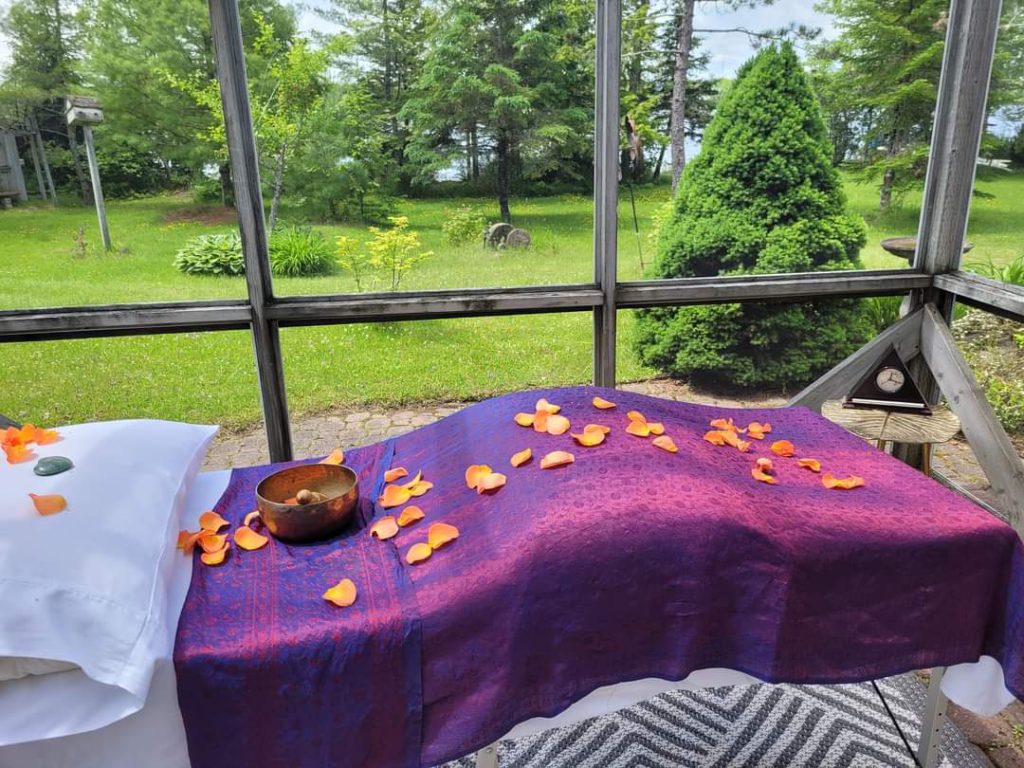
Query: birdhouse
83, 110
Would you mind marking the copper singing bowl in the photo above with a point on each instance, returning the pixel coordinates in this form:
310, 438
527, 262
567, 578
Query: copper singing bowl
307, 522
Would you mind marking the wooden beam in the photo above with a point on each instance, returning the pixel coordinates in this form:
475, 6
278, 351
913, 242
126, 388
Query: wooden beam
606, 185
775, 287
990, 295
229, 56
123, 319
971, 30
192, 316
425, 305
905, 335
981, 427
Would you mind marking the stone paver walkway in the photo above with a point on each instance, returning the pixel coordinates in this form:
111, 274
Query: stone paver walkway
1000, 737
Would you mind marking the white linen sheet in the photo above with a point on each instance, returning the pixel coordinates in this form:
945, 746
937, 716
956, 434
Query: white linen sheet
157, 732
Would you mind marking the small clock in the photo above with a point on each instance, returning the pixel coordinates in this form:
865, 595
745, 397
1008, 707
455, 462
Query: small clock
890, 380
888, 385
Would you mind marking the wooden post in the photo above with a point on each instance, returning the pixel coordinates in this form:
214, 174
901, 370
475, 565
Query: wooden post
606, 185
971, 30
97, 190
35, 164
230, 60
34, 125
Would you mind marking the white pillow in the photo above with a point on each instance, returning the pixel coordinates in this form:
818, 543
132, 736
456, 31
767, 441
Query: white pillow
88, 586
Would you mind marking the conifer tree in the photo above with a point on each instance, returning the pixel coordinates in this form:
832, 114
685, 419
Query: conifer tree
761, 197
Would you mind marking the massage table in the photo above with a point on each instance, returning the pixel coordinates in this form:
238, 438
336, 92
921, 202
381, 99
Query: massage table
571, 592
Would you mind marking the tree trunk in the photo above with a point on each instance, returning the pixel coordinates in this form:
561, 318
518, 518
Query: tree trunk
76, 162
227, 192
474, 152
503, 150
275, 201
885, 199
680, 74
656, 173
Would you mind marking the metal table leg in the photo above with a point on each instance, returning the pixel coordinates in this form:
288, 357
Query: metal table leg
934, 718
487, 757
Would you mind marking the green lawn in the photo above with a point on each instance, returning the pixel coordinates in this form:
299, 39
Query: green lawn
210, 377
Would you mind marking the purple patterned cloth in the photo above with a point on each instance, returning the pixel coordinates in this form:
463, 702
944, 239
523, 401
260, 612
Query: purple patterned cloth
632, 562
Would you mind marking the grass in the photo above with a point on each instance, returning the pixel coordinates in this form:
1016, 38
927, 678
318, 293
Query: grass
210, 377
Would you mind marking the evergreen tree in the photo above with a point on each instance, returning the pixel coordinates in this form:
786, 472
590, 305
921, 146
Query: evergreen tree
761, 197
516, 78
890, 57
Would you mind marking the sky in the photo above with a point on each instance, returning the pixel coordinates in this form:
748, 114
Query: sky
727, 51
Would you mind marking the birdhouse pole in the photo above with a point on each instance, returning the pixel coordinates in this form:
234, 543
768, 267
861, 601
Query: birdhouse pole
86, 112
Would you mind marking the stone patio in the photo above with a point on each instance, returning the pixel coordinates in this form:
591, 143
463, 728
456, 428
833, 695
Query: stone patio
1001, 737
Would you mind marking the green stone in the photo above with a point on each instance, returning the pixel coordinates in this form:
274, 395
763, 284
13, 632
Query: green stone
52, 465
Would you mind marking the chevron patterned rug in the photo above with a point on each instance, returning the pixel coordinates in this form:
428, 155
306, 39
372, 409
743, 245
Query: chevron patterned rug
775, 726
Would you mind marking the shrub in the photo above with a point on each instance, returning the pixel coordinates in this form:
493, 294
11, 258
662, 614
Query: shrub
464, 225
299, 252
211, 255
389, 256
761, 197
994, 348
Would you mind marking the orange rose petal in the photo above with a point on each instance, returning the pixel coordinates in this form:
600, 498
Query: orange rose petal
394, 496
217, 557
639, 428
760, 476
419, 488
27, 434
17, 453
211, 542
520, 458
414, 481
540, 421
636, 416
544, 405
395, 474
783, 448
589, 438
248, 539
410, 515
764, 464
439, 534
418, 553
715, 437
597, 428
557, 425
724, 424
342, 594
666, 444
49, 504
183, 538
475, 473
189, 544
600, 402
337, 456
254, 515
524, 419
385, 528
291, 500
812, 464
491, 482
557, 459
211, 521
656, 427
46, 436
841, 483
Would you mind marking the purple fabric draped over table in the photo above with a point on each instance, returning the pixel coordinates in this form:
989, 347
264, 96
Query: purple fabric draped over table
632, 562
